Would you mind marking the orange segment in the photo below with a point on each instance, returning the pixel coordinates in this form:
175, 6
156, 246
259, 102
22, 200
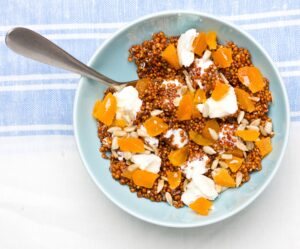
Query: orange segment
185, 108
252, 78
199, 139
170, 55
222, 57
235, 163
220, 91
155, 126
223, 178
195, 112
105, 110
174, 179
142, 85
200, 96
264, 145
211, 39
128, 174
244, 100
247, 135
144, 178
178, 157
130, 144
119, 122
201, 206
200, 44
235, 152
212, 124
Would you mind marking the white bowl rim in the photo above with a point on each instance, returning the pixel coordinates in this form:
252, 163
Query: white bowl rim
266, 182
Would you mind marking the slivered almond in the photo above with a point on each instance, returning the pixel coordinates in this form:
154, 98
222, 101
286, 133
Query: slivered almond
262, 131
213, 134
238, 179
127, 155
185, 183
209, 150
130, 128
114, 154
249, 145
244, 121
223, 164
205, 111
134, 134
142, 133
188, 81
240, 116
224, 78
241, 127
169, 198
255, 122
164, 178
252, 127
214, 164
241, 145
113, 129
160, 185
148, 147
114, 144
268, 127
119, 133
255, 99
156, 112
226, 156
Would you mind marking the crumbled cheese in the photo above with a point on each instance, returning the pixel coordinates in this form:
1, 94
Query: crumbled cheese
185, 47
177, 140
222, 108
128, 103
197, 166
204, 62
148, 162
200, 185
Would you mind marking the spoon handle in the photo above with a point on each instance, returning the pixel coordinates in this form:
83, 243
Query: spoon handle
33, 45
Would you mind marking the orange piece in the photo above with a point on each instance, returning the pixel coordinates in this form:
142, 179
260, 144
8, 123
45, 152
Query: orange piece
128, 174
212, 124
178, 157
200, 96
199, 139
185, 108
200, 44
235, 152
243, 99
155, 126
220, 91
119, 122
144, 178
247, 135
174, 179
105, 110
170, 55
211, 39
264, 145
222, 57
142, 85
235, 163
130, 144
195, 112
201, 206
252, 78
223, 178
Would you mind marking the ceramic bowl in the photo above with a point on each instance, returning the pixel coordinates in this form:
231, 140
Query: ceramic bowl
111, 60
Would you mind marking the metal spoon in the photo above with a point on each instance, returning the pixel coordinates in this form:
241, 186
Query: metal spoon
33, 45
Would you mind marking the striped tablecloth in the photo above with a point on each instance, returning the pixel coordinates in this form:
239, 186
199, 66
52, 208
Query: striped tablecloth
46, 198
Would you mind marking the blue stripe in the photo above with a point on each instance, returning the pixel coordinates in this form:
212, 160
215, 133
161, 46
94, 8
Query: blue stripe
36, 133
36, 107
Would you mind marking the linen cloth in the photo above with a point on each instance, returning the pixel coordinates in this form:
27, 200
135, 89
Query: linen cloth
47, 200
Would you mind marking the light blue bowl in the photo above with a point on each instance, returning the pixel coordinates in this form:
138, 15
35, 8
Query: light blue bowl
111, 60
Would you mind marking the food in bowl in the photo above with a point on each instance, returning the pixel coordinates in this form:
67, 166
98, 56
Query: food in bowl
195, 124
